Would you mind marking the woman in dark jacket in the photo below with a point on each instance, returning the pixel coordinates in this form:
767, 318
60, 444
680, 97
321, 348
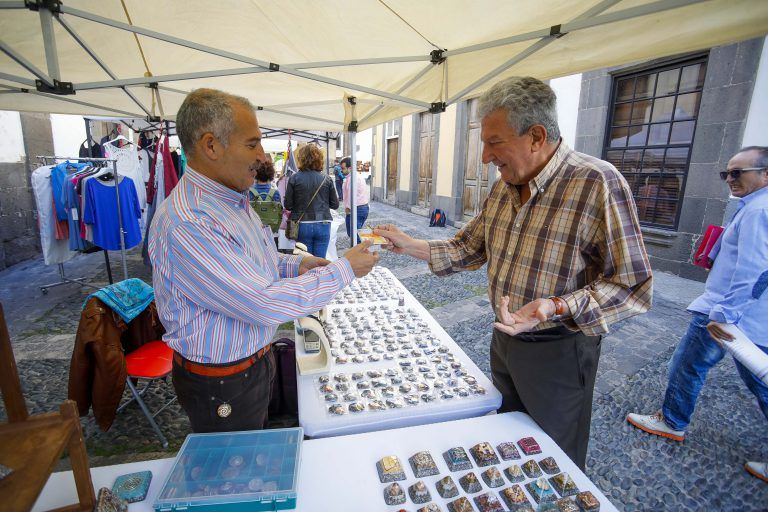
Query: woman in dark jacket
313, 210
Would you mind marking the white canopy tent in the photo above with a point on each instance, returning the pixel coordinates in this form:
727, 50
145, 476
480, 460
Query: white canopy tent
331, 65
297, 59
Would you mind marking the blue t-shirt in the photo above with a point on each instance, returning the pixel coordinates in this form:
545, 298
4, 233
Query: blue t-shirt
58, 174
101, 212
72, 204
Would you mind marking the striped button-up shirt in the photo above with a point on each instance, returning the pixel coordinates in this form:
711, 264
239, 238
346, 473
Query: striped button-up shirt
577, 237
219, 281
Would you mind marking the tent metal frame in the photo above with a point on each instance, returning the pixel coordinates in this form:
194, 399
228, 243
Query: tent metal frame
50, 83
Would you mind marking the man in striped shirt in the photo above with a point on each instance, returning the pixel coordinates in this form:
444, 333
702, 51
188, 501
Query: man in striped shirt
565, 255
220, 284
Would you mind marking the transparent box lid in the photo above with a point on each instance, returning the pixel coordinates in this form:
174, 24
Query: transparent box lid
259, 466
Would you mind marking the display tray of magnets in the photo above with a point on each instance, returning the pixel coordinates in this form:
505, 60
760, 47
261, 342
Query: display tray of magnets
234, 471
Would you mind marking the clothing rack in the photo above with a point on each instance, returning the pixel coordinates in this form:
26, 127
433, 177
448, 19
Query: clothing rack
98, 162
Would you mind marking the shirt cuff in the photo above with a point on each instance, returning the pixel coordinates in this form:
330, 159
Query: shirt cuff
292, 265
342, 269
439, 256
724, 316
575, 317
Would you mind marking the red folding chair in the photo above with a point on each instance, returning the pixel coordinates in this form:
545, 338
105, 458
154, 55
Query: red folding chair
151, 361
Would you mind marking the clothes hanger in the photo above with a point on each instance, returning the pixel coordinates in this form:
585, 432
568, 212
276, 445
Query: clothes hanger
119, 137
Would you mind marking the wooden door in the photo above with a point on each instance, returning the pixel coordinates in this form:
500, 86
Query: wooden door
426, 145
392, 158
476, 175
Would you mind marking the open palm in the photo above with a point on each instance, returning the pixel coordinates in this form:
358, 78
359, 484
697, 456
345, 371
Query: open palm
525, 318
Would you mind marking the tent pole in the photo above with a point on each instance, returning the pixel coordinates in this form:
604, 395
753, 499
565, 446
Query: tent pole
330, 121
100, 62
327, 154
25, 64
145, 80
17, 79
49, 43
352, 202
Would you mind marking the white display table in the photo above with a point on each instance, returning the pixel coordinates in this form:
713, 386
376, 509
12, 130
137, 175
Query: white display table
313, 411
339, 473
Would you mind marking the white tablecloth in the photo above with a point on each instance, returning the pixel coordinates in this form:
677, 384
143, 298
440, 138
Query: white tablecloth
339, 473
316, 421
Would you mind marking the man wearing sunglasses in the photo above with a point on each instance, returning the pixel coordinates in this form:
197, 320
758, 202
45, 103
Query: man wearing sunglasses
735, 293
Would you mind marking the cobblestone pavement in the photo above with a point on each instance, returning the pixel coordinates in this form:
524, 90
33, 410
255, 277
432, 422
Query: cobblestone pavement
635, 470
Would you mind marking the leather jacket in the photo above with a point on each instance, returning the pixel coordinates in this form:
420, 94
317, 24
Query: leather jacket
97, 372
301, 187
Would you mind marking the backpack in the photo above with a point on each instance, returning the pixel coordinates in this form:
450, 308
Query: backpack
437, 218
269, 211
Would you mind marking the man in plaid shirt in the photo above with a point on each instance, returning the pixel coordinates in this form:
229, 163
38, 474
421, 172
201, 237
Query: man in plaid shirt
565, 255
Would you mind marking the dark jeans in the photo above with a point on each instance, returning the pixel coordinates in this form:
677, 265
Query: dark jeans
694, 356
549, 375
247, 392
362, 214
316, 236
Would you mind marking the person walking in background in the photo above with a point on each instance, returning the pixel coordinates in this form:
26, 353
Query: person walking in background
734, 294
362, 198
565, 259
310, 196
340, 173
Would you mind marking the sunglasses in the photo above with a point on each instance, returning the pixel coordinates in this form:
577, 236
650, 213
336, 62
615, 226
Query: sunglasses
736, 173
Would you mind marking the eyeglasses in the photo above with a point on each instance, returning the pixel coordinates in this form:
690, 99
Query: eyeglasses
736, 173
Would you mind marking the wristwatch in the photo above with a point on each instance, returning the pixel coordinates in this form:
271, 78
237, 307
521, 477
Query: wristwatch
560, 309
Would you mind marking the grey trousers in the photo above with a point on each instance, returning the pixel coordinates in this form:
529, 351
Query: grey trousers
248, 394
549, 375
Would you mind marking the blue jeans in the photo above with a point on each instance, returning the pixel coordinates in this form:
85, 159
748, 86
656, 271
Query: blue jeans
696, 354
362, 214
315, 235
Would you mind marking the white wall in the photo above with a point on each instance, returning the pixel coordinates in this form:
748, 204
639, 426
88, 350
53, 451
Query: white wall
756, 132
68, 134
567, 89
11, 139
364, 142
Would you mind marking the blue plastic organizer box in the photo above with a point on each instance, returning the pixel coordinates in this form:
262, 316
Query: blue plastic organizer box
234, 471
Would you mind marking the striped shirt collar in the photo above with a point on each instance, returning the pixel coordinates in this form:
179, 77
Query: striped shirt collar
215, 189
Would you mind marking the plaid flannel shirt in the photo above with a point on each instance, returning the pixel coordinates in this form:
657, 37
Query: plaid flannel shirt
577, 237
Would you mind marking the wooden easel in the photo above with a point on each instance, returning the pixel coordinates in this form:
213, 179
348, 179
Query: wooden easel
31, 445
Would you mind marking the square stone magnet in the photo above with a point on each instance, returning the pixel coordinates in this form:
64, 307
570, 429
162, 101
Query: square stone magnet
390, 469
423, 464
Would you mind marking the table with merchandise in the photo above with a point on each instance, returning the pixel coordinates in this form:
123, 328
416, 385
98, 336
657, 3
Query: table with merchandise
491, 463
391, 365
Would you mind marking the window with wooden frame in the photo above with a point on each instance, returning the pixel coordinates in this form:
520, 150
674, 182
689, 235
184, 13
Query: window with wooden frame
649, 135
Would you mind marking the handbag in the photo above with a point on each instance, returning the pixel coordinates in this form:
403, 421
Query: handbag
292, 229
292, 226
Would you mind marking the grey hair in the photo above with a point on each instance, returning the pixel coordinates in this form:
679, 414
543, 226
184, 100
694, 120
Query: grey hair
206, 110
527, 100
762, 155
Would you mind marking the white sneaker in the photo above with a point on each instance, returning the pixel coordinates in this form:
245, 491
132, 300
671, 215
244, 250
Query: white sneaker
655, 424
758, 469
